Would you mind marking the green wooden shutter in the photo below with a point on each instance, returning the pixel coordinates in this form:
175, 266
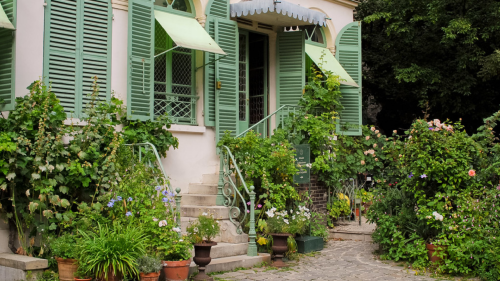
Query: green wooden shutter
96, 46
226, 71
216, 9
140, 54
61, 46
348, 44
290, 67
7, 55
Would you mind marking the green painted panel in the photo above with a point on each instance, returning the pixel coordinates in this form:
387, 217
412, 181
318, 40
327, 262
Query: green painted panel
7, 58
62, 67
302, 158
140, 54
348, 45
209, 78
218, 8
96, 46
226, 71
290, 67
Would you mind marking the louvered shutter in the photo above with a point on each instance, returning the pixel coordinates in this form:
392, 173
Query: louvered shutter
96, 46
348, 45
226, 70
7, 48
61, 45
140, 54
290, 67
217, 9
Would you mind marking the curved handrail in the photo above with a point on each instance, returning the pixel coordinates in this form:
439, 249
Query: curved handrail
158, 159
265, 119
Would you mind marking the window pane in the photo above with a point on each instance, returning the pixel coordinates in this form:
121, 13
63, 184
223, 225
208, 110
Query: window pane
180, 5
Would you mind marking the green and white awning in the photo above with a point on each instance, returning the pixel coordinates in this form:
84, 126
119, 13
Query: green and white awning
4, 20
187, 33
330, 63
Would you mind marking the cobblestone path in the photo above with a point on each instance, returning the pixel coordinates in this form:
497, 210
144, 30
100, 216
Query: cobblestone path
340, 260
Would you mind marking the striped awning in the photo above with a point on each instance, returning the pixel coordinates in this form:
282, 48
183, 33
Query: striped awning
277, 13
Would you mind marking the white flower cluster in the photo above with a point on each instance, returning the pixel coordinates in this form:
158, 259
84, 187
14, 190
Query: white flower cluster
270, 212
162, 223
437, 216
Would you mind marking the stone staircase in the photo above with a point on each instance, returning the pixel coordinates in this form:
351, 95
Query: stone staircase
231, 250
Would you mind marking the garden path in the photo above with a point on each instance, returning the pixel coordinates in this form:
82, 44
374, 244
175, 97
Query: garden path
340, 260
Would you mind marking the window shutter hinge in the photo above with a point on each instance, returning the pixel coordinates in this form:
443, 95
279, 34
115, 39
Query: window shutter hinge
113, 17
45, 4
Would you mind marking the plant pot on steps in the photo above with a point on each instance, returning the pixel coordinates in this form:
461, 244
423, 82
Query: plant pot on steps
83, 279
176, 270
67, 269
153, 276
434, 252
280, 246
202, 259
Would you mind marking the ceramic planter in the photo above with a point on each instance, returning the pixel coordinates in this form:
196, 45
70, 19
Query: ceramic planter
433, 252
280, 246
153, 276
202, 259
67, 269
83, 279
176, 270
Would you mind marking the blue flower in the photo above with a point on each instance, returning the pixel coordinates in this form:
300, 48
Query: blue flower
423, 176
411, 175
171, 194
130, 199
165, 193
165, 200
128, 214
119, 198
158, 187
111, 204
430, 128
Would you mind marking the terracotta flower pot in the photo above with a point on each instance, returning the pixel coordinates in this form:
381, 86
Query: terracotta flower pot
433, 252
202, 259
84, 279
67, 269
176, 270
280, 246
153, 276
357, 212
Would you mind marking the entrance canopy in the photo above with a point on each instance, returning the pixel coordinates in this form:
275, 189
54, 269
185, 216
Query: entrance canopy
278, 13
4, 20
329, 63
187, 33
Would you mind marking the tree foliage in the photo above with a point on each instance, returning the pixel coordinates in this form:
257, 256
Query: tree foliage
440, 54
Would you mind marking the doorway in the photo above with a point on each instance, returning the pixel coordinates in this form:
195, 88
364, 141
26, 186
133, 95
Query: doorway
253, 75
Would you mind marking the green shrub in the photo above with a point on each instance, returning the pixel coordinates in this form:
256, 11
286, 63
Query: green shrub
64, 246
149, 264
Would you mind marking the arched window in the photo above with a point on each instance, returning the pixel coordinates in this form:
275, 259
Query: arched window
174, 70
315, 35
184, 6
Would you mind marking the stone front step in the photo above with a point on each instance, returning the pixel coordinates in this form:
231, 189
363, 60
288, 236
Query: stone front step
202, 188
231, 263
219, 212
210, 178
224, 250
198, 200
227, 234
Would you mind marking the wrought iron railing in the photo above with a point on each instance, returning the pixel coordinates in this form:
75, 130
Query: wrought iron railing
147, 152
181, 109
262, 126
347, 191
233, 198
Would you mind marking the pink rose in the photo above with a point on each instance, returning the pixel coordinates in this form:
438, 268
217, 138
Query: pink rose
472, 173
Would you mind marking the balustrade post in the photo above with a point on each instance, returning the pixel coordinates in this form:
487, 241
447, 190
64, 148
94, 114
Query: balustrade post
178, 198
219, 200
252, 246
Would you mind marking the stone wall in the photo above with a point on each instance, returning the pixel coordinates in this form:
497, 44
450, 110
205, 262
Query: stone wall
318, 192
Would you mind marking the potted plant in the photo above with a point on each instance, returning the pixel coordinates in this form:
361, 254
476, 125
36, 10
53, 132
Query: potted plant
202, 233
83, 274
63, 248
149, 268
176, 256
111, 253
280, 225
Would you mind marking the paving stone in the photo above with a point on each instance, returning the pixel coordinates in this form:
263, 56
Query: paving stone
340, 260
